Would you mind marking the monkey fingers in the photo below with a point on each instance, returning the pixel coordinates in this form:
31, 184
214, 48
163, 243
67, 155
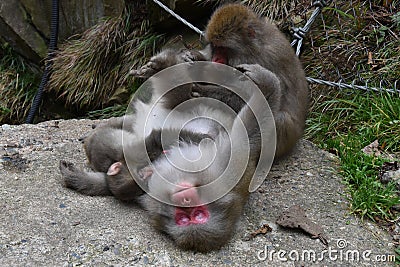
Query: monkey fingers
191, 55
266, 80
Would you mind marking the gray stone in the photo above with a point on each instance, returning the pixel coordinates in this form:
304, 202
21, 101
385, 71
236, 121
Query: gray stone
44, 224
25, 24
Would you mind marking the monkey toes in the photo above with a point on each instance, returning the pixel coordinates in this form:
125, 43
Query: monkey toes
69, 173
66, 168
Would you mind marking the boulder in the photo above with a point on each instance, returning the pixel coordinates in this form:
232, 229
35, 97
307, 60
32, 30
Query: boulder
25, 24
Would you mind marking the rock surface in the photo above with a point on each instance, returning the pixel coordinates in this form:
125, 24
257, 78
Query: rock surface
25, 24
44, 224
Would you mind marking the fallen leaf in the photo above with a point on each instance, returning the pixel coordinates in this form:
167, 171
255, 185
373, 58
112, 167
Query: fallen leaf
370, 60
372, 149
262, 231
295, 217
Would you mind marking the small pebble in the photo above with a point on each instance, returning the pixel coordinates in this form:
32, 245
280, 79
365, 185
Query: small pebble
5, 127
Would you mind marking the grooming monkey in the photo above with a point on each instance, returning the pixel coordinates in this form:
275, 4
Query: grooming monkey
239, 38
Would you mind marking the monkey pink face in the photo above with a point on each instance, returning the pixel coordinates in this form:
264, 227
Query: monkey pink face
219, 55
188, 216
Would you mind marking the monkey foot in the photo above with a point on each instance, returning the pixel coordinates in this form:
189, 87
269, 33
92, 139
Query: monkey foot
66, 168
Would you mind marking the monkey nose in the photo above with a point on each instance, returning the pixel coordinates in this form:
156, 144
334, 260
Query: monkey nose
186, 201
186, 196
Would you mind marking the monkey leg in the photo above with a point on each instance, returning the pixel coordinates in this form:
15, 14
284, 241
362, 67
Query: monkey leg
165, 59
87, 183
124, 187
288, 130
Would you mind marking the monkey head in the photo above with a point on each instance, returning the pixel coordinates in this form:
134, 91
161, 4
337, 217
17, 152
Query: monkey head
233, 29
190, 221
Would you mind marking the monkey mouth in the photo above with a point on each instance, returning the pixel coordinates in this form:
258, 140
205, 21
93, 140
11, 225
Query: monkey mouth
188, 207
189, 216
220, 55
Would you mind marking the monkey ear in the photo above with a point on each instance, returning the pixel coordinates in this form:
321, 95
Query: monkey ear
114, 169
251, 32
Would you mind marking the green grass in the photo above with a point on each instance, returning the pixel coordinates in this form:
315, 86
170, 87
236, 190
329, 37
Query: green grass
346, 122
91, 73
18, 85
113, 111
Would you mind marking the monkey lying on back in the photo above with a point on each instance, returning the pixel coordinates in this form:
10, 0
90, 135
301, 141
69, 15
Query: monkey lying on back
239, 38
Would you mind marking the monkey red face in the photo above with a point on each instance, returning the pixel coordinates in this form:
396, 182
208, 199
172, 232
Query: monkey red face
219, 55
187, 195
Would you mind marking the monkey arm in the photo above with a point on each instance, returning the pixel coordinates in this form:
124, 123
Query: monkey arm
289, 127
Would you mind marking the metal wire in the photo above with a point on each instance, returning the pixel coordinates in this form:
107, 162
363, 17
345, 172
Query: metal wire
300, 33
354, 86
191, 26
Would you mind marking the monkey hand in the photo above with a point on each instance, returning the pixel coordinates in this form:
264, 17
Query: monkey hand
190, 56
266, 80
166, 59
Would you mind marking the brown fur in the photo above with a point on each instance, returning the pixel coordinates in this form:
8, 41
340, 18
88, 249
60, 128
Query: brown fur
250, 41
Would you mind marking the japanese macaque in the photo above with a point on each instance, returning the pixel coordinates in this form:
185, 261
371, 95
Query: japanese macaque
180, 200
241, 39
